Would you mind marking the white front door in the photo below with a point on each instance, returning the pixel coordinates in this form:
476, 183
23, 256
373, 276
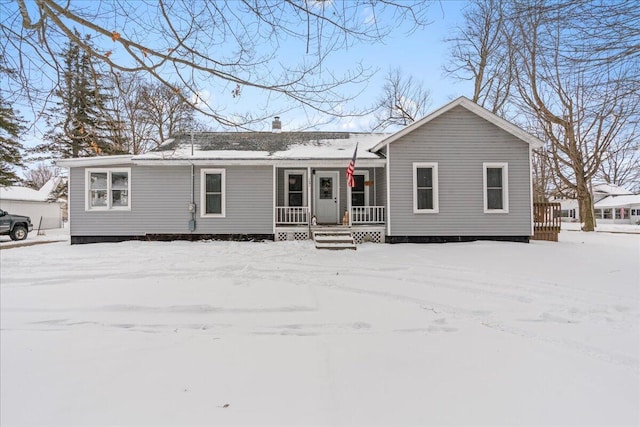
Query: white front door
326, 191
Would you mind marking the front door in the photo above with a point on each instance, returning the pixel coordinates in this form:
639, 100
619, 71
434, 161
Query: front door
326, 190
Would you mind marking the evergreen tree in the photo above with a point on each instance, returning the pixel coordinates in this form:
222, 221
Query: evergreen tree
81, 124
10, 146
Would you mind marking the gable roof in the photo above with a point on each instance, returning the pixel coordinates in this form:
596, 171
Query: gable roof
610, 189
22, 193
618, 201
474, 108
265, 146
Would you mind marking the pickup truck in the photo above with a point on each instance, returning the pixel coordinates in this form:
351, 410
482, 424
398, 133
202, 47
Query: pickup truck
16, 226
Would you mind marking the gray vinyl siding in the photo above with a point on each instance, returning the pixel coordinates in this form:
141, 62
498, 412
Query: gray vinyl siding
459, 142
160, 196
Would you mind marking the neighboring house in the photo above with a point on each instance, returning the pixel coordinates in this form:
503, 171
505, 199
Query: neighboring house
461, 173
44, 213
621, 209
612, 204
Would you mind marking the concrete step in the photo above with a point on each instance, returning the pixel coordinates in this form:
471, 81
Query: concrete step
334, 239
336, 246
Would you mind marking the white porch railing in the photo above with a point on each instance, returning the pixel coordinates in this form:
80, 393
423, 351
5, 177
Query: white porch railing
292, 215
367, 214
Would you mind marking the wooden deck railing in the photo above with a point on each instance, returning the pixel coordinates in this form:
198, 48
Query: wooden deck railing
546, 221
292, 215
367, 214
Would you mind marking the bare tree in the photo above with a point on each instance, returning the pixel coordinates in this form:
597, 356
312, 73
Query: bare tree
562, 79
621, 164
402, 102
39, 175
228, 46
582, 111
480, 51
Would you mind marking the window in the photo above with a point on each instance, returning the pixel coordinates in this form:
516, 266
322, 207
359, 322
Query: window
295, 188
359, 193
425, 188
212, 193
633, 212
606, 214
108, 189
495, 186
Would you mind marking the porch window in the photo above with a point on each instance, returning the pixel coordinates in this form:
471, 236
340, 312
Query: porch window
495, 186
359, 196
212, 193
108, 189
606, 213
425, 188
295, 186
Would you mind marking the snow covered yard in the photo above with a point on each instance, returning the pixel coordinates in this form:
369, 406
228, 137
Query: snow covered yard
482, 333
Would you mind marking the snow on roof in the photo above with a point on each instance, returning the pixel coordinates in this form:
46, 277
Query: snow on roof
618, 201
610, 189
267, 145
22, 193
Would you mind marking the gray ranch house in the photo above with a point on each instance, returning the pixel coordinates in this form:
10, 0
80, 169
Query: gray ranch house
461, 173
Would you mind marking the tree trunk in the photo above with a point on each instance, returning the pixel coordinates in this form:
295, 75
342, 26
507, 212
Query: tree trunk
585, 204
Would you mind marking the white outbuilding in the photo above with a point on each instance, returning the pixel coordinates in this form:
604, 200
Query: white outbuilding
44, 213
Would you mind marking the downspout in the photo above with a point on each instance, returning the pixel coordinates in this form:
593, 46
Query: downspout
192, 205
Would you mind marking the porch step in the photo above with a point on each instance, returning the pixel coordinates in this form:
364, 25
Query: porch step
334, 239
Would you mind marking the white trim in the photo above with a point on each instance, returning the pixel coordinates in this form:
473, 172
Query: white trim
109, 206
474, 108
94, 161
203, 194
282, 163
505, 186
531, 187
388, 189
434, 167
302, 172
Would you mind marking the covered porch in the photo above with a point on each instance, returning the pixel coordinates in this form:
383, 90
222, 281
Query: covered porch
313, 197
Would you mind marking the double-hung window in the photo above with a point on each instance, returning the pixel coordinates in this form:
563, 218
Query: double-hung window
496, 187
108, 189
212, 193
425, 188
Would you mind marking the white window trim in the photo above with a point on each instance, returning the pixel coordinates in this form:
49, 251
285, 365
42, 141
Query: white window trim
203, 193
436, 205
109, 207
365, 173
304, 185
505, 186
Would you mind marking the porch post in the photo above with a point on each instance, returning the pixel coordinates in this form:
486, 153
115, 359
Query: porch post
349, 203
309, 195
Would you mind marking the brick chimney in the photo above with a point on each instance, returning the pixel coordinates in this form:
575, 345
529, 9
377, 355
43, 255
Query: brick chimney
276, 125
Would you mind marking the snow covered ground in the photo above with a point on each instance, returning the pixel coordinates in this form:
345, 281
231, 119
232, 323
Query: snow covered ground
229, 333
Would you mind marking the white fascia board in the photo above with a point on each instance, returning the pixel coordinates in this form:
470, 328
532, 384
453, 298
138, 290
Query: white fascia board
303, 163
94, 161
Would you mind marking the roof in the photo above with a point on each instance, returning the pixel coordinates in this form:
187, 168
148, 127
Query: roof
610, 189
23, 194
266, 145
474, 108
618, 201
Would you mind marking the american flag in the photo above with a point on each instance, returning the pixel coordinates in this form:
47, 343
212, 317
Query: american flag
352, 165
